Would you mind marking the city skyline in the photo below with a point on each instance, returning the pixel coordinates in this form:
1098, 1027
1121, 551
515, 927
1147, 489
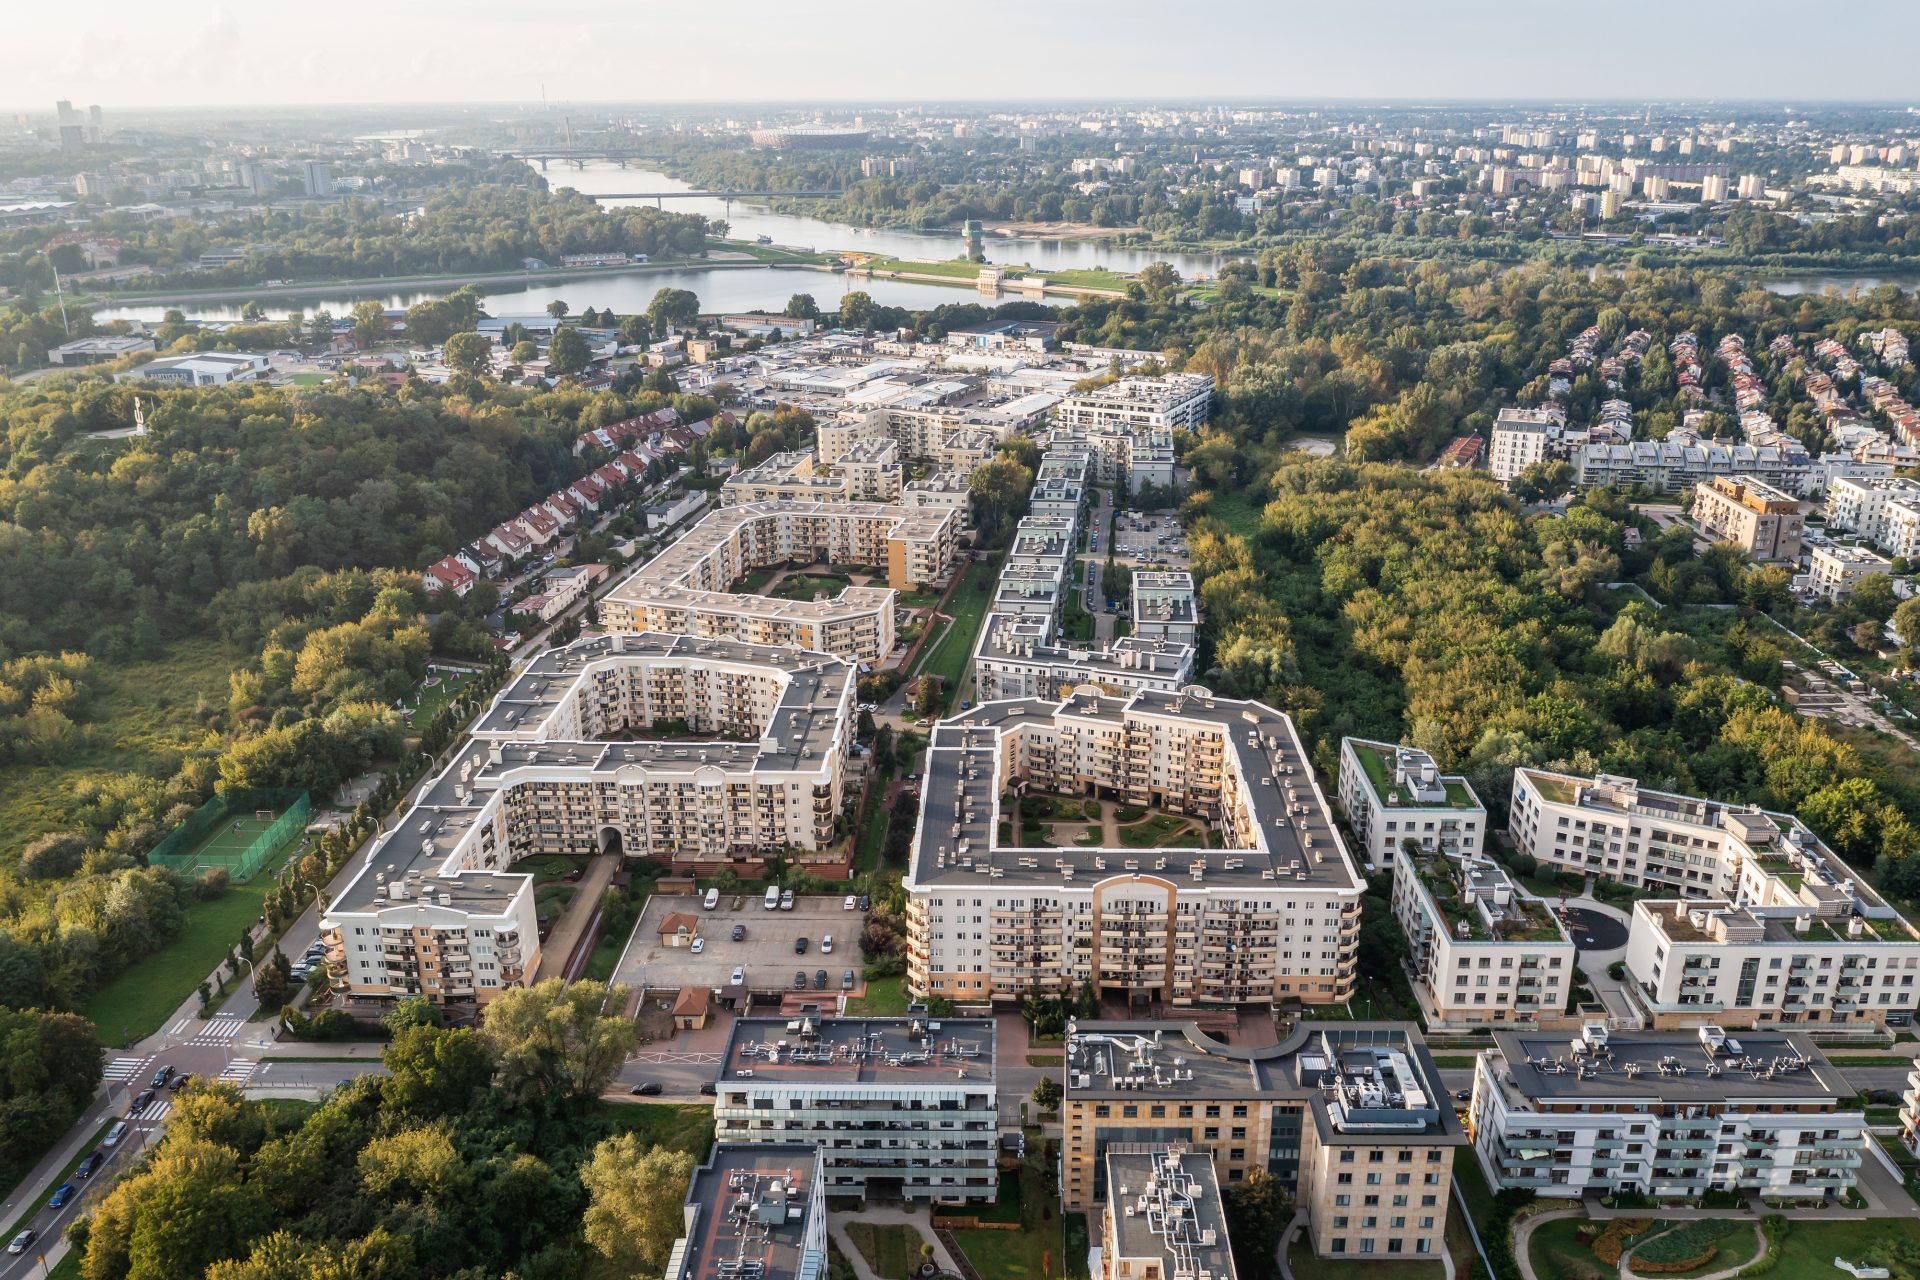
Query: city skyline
432, 52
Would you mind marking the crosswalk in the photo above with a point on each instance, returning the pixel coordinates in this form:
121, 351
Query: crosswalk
239, 1071
154, 1111
221, 1028
124, 1069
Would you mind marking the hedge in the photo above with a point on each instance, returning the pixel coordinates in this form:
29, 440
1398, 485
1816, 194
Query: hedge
1775, 1227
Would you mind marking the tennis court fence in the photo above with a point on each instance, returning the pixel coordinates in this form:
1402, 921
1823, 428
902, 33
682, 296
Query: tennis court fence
226, 832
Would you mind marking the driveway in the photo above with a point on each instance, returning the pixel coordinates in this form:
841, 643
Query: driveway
766, 953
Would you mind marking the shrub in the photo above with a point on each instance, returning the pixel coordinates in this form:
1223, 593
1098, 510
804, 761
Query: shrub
1613, 1241
211, 884
1774, 1226
1129, 813
1687, 1246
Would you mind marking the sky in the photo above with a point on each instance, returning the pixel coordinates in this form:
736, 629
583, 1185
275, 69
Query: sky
138, 53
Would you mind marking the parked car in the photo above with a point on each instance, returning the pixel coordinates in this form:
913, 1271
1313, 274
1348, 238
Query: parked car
800, 946
114, 1134
699, 945
182, 1080
145, 1096
819, 979
864, 901
709, 1089
826, 944
772, 899
799, 979
848, 904
739, 976
161, 1076
846, 980
88, 1164
61, 1194
651, 1089
786, 899
739, 932
20, 1242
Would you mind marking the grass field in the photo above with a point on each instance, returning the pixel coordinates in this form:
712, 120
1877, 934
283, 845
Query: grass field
1235, 509
804, 586
141, 715
1090, 279
1736, 1247
136, 1004
870, 846
674, 1126
948, 656
957, 268
436, 691
1014, 1255
1162, 828
892, 1249
886, 997
1812, 1245
224, 844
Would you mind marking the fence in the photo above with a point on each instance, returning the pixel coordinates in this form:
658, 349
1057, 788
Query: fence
226, 832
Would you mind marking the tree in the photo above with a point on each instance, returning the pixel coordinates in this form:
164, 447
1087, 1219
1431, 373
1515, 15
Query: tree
557, 309
1158, 280
555, 1038
634, 331
671, 309
54, 856
1542, 481
525, 350
801, 306
857, 310
435, 1071
273, 980
634, 1208
568, 352
998, 490
1906, 624
469, 353
370, 322
1258, 1210
1046, 1094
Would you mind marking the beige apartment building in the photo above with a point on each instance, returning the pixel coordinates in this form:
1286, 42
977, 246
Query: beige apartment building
1761, 520
1352, 1118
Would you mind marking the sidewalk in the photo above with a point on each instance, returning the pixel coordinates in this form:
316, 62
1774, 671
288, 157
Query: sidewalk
922, 1224
556, 952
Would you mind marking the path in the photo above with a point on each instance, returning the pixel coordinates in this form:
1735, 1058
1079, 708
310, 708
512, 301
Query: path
575, 922
887, 1215
1725, 1273
1523, 1235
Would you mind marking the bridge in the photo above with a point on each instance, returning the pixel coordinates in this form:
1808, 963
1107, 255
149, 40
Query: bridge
702, 195
578, 156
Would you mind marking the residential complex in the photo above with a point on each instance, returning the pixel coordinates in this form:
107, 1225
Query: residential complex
1350, 1117
1135, 404
1163, 606
1765, 926
1166, 1219
1862, 504
1255, 901
1835, 570
560, 764
1392, 794
899, 1107
754, 1213
1482, 950
1671, 1115
1018, 655
1753, 515
1664, 466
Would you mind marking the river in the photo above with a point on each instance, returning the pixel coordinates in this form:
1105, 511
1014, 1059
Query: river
1794, 286
723, 288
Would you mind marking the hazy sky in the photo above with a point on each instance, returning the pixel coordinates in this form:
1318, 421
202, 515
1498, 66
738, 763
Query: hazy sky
130, 53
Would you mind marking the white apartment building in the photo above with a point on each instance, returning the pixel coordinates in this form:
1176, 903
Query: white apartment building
1858, 504
1164, 606
1766, 925
1522, 437
551, 768
1670, 1115
899, 1107
1133, 456
1392, 794
1482, 950
1272, 915
1132, 405
1663, 466
1018, 656
1836, 570
1903, 528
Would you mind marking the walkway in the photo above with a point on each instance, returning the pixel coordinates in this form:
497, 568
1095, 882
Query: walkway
887, 1215
577, 919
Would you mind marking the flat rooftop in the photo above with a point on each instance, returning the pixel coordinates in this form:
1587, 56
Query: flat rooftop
750, 1204
1380, 761
862, 1051
1166, 1205
1673, 1066
1294, 838
1023, 637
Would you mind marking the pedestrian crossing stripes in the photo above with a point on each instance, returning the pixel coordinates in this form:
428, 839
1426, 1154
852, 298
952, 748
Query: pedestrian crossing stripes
222, 1028
125, 1068
239, 1071
155, 1110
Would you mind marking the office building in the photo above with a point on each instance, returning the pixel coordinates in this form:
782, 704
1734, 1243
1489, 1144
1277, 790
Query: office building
1163, 606
1351, 1118
899, 1107
1753, 515
561, 763
1392, 794
1670, 1115
1256, 903
754, 1212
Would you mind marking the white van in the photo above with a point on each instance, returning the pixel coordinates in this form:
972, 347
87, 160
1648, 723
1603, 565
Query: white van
713, 899
772, 900
114, 1134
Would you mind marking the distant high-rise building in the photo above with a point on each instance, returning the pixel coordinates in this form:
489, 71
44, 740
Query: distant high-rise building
94, 123
1713, 188
319, 178
254, 177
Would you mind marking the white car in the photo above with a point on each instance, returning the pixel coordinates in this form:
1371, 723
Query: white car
739, 976
826, 944
850, 903
699, 945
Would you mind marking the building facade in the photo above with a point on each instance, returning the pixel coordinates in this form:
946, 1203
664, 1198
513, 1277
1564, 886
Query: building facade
1392, 794
1753, 515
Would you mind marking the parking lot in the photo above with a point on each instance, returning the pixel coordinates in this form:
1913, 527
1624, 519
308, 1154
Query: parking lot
766, 952
1142, 549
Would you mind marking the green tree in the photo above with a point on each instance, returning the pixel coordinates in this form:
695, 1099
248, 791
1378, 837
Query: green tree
568, 352
1542, 481
1047, 1094
370, 323
634, 1202
801, 306
273, 981
557, 309
1158, 280
555, 1038
469, 353
435, 1071
672, 309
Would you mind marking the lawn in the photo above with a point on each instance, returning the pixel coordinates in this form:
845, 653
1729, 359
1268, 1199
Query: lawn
1076, 1246
1162, 828
438, 689
674, 1126
138, 1002
1303, 1262
957, 268
1092, 278
551, 899
1235, 509
804, 586
1812, 1245
948, 656
1014, 1255
141, 715
870, 846
885, 998
892, 1249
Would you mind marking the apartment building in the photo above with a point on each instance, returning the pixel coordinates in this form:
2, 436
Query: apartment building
1671, 1115
1163, 606
1018, 656
1836, 570
868, 470
561, 763
922, 428
1766, 925
1483, 951
1166, 1219
898, 1107
685, 589
1132, 405
1902, 536
948, 491
1753, 515
1522, 437
871, 471
1271, 913
1858, 504
1035, 590
1129, 456
1910, 1113
1352, 1118
754, 1212
1664, 466
1392, 794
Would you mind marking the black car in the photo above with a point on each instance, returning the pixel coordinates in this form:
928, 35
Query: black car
820, 980
140, 1103
182, 1080
161, 1077
709, 1089
865, 902
799, 946
651, 1089
739, 932
799, 979
87, 1165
